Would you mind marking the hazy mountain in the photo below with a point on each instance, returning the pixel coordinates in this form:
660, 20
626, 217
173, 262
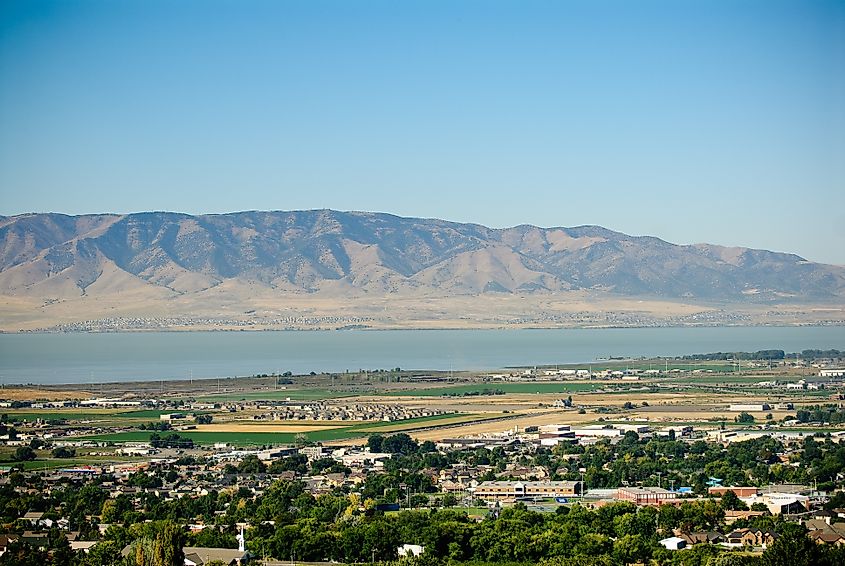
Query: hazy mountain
337, 253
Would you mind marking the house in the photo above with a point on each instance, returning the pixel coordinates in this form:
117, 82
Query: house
33, 517
826, 533
200, 556
83, 545
5, 541
704, 537
750, 537
410, 550
674, 543
826, 537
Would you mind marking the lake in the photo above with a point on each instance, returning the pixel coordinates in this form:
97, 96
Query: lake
97, 358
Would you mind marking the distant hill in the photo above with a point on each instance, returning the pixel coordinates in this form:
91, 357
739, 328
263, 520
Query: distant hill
161, 256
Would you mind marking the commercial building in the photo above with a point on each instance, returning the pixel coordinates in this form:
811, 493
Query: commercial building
646, 495
750, 408
513, 490
719, 491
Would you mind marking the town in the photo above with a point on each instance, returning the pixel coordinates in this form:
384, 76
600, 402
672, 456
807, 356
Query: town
621, 463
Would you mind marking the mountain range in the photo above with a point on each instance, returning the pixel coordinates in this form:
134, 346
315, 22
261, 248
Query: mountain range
156, 257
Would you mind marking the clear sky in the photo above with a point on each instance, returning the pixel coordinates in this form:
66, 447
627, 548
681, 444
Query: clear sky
712, 120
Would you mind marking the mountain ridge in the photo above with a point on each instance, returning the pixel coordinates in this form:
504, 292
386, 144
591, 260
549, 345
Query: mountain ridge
306, 248
53, 258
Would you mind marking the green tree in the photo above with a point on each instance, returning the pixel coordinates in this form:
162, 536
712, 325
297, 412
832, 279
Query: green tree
631, 549
24, 454
63, 452
167, 550
251, 465
104, 553
730, 501
374, 442
793, 548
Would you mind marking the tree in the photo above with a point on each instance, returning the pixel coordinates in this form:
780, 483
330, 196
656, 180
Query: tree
251, 465
297, 463
205, 418
732, 559
105, 553
400, 443
62, 452
632, 549
374, 442
19, 553
744, 418
732, 502
167, 550
793, 548
24, 454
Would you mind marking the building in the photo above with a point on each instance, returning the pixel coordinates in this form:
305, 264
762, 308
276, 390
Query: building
832, 372
782, 503
646, 495
750, 537
513, 490
598, 431
719, 491
673, 543
551, 435
750, 408
200, 556
410, 550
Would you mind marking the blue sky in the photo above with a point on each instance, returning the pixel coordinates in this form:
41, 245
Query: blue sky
717, 121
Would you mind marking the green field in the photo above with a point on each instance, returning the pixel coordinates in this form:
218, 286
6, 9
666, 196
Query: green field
106, 415
293, 394
536, 387
276, 438
708, 379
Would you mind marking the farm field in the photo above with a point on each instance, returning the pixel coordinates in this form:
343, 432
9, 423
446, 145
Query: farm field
97, 415
46, 461
250, 434
537, 387
278, 395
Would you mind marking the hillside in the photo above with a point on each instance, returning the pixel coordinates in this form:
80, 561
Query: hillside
160, 263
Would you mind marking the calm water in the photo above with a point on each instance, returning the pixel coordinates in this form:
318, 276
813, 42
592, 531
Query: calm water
85, 358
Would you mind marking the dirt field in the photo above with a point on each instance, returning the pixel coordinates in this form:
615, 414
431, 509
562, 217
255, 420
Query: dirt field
32, 394
268, 427
532, 419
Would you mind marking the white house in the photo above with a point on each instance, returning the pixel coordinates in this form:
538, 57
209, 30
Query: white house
410, 550
673, 543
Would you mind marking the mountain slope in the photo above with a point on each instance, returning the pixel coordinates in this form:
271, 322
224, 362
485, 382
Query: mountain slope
353, 253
